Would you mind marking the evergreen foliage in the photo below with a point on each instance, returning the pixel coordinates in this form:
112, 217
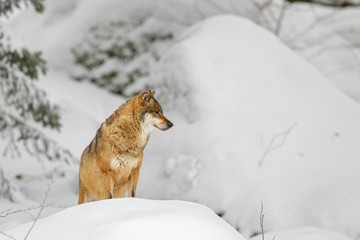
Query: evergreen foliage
7, 189
24, 108
8, 6
119, 55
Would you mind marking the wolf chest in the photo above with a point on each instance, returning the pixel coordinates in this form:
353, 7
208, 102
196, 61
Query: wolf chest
120, 162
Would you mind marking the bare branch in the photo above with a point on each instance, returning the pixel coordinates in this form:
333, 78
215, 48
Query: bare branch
316, 22
264, 9
6, 235
42, 206
334, 4
216, 6
275, 143
280, 19
9, 211
262, 215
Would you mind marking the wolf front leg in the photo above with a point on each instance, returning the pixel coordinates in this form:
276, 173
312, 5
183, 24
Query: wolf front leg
108, 185
134, 177
82, 193
133, 182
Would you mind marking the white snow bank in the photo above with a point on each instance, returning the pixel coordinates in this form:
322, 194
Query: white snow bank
131, 218
84, 107
231, 89
254, 122
307, 233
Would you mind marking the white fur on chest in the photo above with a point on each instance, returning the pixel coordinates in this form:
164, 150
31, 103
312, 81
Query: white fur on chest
123, 162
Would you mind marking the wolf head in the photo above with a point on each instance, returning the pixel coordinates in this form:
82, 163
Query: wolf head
151, 112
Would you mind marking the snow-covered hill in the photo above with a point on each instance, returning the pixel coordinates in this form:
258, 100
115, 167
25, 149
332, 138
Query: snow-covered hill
306, 233
130, 218
252, 122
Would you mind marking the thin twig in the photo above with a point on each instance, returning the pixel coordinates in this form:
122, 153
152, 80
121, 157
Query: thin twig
6, 235
8, 212
316, 22
263, 19
273, 145
262, 215
41, 209
280, 19
216, 6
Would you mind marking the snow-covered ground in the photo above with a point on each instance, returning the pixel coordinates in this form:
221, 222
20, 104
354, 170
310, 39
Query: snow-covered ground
306, 233
130, 218
253, 122
257, 125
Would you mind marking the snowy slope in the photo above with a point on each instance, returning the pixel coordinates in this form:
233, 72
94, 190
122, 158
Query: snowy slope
232, 91
84, 107
131, 219
240, 98
307, 233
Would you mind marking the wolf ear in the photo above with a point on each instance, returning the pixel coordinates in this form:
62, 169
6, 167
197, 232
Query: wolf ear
152, 93
146, 96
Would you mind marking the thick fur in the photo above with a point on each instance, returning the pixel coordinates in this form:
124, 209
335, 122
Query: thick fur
110, 165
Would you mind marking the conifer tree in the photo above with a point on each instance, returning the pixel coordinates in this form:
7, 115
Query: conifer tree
24, 108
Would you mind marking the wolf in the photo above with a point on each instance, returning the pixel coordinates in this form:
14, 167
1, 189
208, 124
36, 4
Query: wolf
110, 164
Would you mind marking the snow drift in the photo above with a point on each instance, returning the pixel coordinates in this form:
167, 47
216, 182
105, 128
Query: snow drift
254, 122
307, 233
130, 218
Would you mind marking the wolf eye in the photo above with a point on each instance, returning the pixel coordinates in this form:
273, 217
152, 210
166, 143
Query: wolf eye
156, 112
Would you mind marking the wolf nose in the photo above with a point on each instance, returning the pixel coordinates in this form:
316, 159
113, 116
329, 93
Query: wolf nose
169, 125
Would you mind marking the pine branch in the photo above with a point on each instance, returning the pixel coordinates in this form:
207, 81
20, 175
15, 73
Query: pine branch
7, 189
22, 96
30, 64
35, 142
23, 103
8, 6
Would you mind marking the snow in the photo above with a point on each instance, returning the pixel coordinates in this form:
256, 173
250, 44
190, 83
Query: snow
252, 122
131, 218
233, 88
307, 233
325, 36
64, 24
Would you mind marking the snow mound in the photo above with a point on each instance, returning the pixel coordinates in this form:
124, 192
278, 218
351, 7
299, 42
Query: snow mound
254, 122
131, 218
308, 233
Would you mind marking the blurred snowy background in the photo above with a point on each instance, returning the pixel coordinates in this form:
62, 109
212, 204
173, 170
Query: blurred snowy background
264, 96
